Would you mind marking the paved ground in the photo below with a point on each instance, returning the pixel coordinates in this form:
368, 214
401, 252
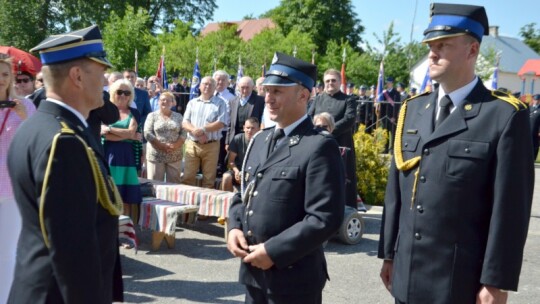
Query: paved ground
201, 270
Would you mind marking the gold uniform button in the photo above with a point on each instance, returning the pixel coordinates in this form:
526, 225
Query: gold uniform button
259, 175
250, 213
255, 193
250, 233
283, 173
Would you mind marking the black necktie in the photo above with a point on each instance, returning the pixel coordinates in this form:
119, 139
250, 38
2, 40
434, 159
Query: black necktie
278, 133
445, 105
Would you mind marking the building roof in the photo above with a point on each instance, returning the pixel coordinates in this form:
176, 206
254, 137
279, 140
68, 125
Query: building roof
514, 52
246, 30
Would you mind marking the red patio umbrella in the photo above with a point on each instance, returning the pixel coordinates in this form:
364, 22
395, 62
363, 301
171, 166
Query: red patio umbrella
22, 61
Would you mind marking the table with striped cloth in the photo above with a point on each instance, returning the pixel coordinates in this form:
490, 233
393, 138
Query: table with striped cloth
162, 215
211, 202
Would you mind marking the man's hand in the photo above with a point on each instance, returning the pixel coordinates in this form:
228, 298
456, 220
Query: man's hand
237, 244
258, 257
491, 295
198, 132
386, 274
236, 174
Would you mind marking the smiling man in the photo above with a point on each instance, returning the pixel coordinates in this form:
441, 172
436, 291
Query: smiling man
292, 200
459, 192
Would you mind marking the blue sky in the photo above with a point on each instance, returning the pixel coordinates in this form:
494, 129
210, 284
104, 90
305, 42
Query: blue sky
376, 15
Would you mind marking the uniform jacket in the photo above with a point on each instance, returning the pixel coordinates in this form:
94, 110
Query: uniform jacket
535, 125
297, 203
78, 266
468, 222
255, 104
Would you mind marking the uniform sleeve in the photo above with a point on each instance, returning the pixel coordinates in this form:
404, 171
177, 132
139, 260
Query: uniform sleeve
346, 123
235, 213
324, 203
390, 217
512, 199
69, 213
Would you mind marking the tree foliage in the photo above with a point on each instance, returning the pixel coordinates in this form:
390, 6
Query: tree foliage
531, 36
25, 23
323, 20
123, 36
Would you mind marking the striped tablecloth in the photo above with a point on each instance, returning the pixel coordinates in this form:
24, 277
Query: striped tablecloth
162, 215
211, 202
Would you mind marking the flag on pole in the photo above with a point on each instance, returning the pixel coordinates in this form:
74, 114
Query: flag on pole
343, 75
162, 72
426, 83
195, 81
379, 96
136, 68
495, 80
240, 72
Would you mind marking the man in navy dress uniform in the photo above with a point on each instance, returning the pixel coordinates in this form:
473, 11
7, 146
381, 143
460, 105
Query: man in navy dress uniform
68, 250
459, 193
293, 195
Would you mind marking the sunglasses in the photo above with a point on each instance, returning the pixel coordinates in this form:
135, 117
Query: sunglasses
120, 92
322, 126
24, 80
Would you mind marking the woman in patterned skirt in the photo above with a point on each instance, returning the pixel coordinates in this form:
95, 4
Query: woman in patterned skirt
119, 151
163, 131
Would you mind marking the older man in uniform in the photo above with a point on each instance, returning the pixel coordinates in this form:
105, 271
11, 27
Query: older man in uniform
68, 247
459, 193
293, 200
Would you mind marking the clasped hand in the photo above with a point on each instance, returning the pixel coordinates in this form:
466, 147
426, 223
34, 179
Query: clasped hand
251, 254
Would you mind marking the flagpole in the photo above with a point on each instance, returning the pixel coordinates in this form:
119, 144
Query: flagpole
294, 51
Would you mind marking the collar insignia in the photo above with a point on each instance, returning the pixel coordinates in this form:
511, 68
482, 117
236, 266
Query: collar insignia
468, 107
294, 140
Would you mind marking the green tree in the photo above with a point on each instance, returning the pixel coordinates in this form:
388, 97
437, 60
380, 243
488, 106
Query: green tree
531, 36
322, 20
122, 36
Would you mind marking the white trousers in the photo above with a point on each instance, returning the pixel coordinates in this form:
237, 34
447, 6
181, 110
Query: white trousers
10, 228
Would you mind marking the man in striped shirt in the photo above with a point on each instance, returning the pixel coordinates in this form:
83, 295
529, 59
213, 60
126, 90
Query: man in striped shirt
204, 119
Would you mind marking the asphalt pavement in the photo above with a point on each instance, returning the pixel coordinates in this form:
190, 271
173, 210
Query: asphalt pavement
201, 270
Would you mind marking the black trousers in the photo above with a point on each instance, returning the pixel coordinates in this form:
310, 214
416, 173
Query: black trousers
258, 296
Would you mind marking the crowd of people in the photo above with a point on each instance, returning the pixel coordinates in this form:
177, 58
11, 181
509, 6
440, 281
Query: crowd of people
73, 166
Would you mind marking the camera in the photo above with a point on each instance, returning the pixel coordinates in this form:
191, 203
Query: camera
7, 104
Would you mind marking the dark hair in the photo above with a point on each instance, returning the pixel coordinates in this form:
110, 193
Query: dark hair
253, 120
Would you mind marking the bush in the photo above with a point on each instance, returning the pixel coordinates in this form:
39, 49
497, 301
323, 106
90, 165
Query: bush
371, 166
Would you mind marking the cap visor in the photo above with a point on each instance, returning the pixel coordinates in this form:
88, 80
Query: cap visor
440, 35
101, 60
274, 80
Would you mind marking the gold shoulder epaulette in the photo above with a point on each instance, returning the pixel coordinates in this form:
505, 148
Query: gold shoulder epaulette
415, 96
509, 98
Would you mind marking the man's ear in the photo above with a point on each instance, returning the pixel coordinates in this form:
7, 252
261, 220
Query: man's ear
76, 75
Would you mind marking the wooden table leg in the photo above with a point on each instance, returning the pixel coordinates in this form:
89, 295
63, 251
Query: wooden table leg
170, 239
157, 238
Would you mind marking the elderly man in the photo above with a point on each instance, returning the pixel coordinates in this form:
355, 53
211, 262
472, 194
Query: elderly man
292, 201
460, 186
222, 90
204, 119
343, 109
260, 87
68, 247
249, 105
153, 86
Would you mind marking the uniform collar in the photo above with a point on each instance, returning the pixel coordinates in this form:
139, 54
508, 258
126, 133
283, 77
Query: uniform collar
69, 108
